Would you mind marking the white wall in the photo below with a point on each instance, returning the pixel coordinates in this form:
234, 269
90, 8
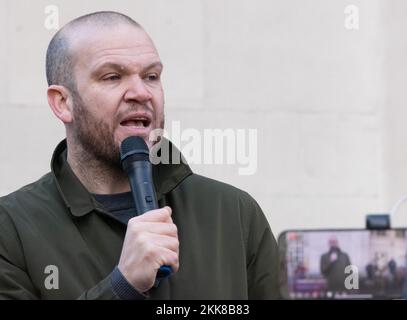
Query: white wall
327, 101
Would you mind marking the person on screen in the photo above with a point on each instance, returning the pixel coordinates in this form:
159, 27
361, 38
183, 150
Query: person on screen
392, 266
74, 234
371, 270
333, 264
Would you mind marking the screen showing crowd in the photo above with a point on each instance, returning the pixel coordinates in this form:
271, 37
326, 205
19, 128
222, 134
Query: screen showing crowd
344, 264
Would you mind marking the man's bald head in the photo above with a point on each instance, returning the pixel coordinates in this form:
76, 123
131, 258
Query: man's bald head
60, 60
333, 242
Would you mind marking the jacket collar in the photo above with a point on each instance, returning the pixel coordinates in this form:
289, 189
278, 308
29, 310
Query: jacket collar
80, 202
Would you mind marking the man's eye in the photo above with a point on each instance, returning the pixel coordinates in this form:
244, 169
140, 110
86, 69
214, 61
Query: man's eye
112, 77
153, 77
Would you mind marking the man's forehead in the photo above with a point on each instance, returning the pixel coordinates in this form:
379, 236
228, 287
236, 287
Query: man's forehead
91, 45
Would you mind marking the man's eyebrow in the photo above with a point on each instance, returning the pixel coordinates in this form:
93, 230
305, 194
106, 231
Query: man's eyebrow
157, 64
120, 67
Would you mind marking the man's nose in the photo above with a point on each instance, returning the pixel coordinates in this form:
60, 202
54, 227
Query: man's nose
137, 90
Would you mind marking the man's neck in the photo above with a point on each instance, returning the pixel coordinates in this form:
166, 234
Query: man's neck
96, 176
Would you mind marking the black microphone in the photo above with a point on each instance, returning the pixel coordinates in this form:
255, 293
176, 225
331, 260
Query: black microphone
135, 159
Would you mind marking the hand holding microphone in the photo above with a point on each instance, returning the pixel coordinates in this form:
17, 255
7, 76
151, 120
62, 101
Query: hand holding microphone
151, 247
333, 257
151, 241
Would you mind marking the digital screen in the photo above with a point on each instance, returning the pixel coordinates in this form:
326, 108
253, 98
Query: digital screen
357, 264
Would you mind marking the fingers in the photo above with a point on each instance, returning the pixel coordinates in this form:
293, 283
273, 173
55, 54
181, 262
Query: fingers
170, 258
159, 215
160, 228
170, 243
151, 241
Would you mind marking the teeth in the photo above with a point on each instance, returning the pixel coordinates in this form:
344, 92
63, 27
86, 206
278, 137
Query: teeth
140, 122
133, 123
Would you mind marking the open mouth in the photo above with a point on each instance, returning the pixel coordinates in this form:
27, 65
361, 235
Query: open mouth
137, 122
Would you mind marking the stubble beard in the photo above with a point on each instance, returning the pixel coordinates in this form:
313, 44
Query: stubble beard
95, 138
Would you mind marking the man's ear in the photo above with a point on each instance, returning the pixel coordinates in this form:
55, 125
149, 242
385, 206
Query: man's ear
59, 99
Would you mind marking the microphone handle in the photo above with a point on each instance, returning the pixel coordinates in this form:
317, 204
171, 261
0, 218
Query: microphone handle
145, 198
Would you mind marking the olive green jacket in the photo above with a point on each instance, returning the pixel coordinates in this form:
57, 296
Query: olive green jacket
57, 242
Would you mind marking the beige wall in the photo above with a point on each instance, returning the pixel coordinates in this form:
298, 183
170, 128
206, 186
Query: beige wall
327, 101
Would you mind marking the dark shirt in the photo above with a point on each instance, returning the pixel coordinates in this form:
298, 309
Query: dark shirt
120, 205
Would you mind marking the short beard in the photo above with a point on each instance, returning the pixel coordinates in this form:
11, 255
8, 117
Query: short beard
95, 138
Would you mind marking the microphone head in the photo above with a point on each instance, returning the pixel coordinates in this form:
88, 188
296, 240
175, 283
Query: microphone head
134, 146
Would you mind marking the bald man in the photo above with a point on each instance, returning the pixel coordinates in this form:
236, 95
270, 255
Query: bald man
74, 233
333, 265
